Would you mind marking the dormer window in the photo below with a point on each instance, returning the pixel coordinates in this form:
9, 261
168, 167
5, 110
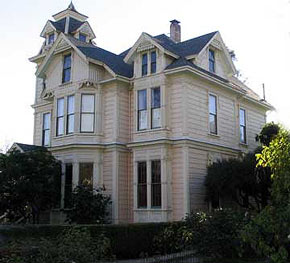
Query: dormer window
153, 62
144, 64
66, 74
211, 61
82, 37
50, 38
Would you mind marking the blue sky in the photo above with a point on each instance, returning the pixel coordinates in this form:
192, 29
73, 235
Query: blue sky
257, 30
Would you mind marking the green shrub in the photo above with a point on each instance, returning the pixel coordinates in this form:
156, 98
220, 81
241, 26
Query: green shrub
88, 206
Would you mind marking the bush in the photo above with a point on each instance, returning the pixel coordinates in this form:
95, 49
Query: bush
74, 244
89, 206
215, 235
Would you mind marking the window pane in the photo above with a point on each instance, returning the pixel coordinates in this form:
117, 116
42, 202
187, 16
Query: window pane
60, 126
211, 55
142, 120
242, 117
144, 64
212, 104
87, 122
67, 61
82, 37
50, 38
142, 99
142, 185
242, 134
86, 174
70, 104
156, 183
88, 103
70, 123
46, 137
46, 121
212, 124
153, 62
155, 98
60, 107
156, 118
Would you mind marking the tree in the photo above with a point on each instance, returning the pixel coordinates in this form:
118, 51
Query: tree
268, 133
269, 231
29, 184
88, 205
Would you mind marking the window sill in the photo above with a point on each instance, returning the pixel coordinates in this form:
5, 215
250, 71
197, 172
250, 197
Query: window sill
151, 210
244, 144
65, 84
63, 136
151, 130
217, 136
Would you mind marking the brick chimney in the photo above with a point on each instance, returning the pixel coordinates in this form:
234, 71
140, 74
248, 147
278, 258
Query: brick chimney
175, 31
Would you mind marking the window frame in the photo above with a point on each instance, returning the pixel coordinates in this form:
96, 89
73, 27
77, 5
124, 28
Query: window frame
83, 35
60, 117
139, 111
92, 113
144, 67
244, 126
153, 107
142, 187
155, 185
213, 114
65, 69
211, 61
49, 40
68, 184
44, 130
91, 181
68, 115
154, 63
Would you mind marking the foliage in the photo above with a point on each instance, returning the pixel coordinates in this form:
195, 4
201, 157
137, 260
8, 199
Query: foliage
239, 180
74, 244
269, 231
268, 133
88, 206
215, 234
29, 183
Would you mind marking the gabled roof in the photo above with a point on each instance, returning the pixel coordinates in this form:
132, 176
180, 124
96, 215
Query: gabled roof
26, 147
113, 61
73, 25
59, 25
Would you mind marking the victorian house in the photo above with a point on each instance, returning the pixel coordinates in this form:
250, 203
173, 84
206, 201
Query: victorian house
145, 123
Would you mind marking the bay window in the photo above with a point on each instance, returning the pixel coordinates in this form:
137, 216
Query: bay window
87, 113
156, 184
155, 108
60, 117
68, 184
142, 109
46, 129
86, 174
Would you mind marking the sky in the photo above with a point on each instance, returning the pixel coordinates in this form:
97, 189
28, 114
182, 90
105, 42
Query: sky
257, 30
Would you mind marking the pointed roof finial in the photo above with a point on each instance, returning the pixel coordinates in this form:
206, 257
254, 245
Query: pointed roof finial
71, 6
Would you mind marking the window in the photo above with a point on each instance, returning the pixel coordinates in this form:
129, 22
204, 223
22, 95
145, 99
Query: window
142, 109
211, 61
155, 184
70, 114
46, 129
155, 108
153, 62
243, 126
82, 37
60, 117
66, 75
50, 38
87, 113
68, 184
212, 114
86, 174
142, 185
144, 64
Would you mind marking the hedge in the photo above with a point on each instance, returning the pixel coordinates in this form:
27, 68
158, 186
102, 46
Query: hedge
128, 241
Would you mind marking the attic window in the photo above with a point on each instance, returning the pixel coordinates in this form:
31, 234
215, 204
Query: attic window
50, 38
82, 37
211, 61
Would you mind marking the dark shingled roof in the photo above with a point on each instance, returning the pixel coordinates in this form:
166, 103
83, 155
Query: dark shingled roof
29, 147
113, 61
73, 24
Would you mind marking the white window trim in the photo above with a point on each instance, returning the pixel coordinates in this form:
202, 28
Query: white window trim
246, 125
50, 125
217, 114
80, 115
148, 52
